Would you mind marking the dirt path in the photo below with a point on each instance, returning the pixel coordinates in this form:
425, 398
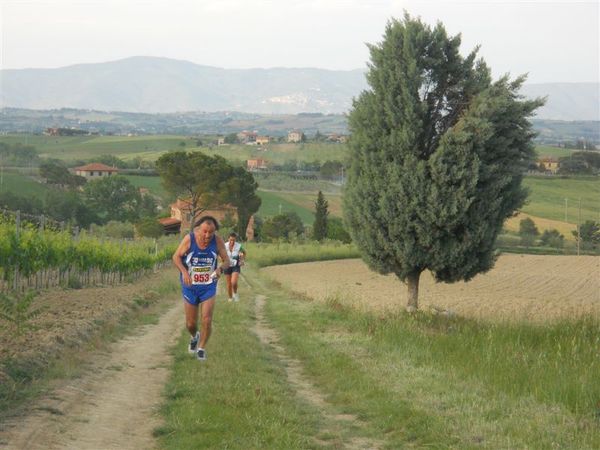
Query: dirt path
114, 405
334, 423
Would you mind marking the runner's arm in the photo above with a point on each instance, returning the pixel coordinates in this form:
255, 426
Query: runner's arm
183, 248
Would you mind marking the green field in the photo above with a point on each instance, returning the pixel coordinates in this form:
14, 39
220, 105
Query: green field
153, 184
547, 198
279, 153
74, 148
150, 147
77, 148
273, 204
556, 152
22, 185
409, 381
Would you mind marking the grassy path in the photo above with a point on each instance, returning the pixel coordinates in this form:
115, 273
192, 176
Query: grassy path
288, 372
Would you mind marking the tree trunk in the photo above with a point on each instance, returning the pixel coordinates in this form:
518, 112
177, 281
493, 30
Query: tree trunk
413, 291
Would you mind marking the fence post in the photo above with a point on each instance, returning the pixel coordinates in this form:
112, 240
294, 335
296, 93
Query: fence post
17, 231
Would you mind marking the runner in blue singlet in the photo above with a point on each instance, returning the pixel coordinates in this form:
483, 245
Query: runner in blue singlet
196, 259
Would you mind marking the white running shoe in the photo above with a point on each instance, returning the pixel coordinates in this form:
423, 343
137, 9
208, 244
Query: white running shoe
229, 299
201, 354
236, 297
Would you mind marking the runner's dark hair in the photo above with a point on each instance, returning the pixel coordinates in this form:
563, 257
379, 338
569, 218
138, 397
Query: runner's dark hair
203, 219
233, 234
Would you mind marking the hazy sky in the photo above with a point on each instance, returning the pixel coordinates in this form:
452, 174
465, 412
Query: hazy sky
551, 40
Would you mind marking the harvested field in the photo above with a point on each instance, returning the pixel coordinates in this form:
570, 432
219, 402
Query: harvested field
520, 287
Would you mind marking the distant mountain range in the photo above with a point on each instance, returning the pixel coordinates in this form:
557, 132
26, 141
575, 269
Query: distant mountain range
161, 85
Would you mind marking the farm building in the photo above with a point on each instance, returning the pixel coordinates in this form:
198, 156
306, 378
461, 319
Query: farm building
181, 215
262, 140
247, 137
295, 136
548, 164
94, 171
256, 164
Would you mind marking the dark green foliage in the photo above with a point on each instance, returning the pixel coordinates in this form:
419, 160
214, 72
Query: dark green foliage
18, 310
321, 213
18, 155
331, 170
60, 206
282, 226
580, 163
209, 181
437, 153
112, 161
528, 231
552, 238
231, 138
589, 232
148, 206
69, 207
527, 226
115, 198
149, 227
27, 205
55, 172
336, 230
242, 194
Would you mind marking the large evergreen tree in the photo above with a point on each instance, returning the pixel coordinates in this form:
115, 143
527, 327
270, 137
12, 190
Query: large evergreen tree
321, 213
437, 152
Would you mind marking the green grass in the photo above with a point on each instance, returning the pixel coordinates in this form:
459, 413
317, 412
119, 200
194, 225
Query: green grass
150, 147
433, 381
263, 254
22, 185
280, 153
238, 398
413, 381
152, 183
74, 148
556, 152
547, 197
285, 182
307, 201
273, 203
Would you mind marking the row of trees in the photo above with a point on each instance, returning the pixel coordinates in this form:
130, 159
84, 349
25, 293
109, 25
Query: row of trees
18, 155
288, 226
580, 163
588, 235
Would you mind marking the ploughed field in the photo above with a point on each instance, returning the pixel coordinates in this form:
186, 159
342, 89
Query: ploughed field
534, 288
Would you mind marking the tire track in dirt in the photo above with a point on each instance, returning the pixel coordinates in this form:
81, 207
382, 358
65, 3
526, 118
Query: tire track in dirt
305, 390
114, 405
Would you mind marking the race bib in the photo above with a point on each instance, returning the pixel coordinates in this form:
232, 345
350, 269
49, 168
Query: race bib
201, 275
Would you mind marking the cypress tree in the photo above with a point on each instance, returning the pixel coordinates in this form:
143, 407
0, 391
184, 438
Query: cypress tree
437, 153
321, 213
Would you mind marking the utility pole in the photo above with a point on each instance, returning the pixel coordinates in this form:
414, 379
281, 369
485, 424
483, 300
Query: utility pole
579, 228
566, 210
